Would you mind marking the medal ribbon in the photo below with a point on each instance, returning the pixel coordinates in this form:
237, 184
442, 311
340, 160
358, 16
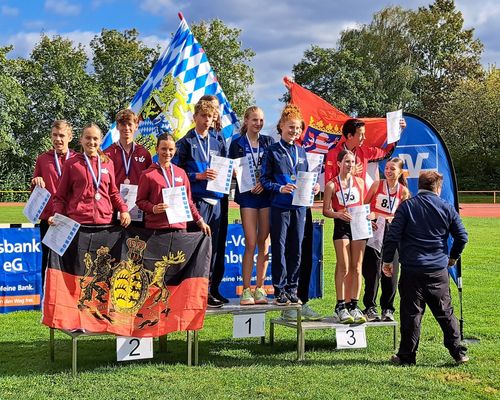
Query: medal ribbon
206, 154
391, 205
342, 191
97, 181
256, 161
56, 161
127, 163
292, 164
169, 185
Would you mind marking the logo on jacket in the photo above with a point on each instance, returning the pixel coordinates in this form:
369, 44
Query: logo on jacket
140, 159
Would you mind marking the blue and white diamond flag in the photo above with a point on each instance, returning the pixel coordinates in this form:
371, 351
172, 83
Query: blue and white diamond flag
165, 101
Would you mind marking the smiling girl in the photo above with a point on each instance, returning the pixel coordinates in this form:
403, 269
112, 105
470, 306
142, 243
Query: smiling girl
254, 205
343, 191
281, 164
384, 198
87, 191
160, 175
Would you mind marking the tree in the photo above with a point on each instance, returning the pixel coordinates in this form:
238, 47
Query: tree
444, 53
13, 106
470, 125
229, 61
57, 86
403, 58
121, 64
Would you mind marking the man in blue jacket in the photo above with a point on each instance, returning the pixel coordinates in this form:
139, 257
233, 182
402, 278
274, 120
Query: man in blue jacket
420, 230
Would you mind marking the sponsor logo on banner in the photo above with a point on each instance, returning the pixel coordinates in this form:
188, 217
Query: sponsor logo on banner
417, 158
20, 267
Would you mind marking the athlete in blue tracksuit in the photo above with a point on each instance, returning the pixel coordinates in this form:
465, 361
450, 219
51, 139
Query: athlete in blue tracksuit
194, 151
281, 164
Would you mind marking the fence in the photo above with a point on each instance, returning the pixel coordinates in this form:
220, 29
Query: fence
465, 196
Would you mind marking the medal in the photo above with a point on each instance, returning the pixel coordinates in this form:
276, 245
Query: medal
126, 163
293, 165
96, 180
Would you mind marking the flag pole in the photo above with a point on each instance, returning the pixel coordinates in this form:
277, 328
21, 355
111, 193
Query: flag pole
461, 320
181, 17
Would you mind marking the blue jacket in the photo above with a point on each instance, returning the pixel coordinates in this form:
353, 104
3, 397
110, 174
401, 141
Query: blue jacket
239, 148
421, 228
190, 158
277, 172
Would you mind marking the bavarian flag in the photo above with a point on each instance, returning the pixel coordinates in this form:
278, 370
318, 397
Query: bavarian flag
131, 282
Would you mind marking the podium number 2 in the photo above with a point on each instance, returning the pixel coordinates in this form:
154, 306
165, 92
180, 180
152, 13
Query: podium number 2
133, 348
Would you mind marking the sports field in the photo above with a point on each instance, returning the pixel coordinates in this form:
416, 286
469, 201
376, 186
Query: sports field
242, 368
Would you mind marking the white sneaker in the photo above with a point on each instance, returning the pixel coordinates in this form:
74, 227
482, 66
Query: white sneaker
388, 315
342, 316
309, 314
357, 316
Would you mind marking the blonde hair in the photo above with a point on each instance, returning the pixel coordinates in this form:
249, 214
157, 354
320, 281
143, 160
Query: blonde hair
206, 106
63, 125
248, 111
291, 111
126, 115
103, 157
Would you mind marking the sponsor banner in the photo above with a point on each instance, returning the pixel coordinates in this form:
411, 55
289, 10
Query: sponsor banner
232, 283
20, 276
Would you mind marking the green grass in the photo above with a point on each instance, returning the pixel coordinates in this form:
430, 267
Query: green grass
483, 198
239, 368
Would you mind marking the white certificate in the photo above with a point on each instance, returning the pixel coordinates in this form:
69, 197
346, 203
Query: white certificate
315, 162
36, 203
361, 226
393, 128
303, 195
245, 173
224, 167
60, 234
377, 240
178, 204
129, 195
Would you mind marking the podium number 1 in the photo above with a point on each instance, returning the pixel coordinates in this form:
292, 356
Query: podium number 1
249, 325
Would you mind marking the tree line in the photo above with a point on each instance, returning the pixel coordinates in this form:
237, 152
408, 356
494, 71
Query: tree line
421, 60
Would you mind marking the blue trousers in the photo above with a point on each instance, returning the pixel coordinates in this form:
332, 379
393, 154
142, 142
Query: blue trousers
287, 233
212, 216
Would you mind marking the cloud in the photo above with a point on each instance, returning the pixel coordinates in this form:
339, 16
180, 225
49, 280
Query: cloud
62, 7
9, 11
24, 42
160, 6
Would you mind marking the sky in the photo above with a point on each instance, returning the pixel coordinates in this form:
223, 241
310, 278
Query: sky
278, 31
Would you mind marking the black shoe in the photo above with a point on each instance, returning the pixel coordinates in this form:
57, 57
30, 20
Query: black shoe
212, 302
218, 296
396, 360
281, 299
294, 299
